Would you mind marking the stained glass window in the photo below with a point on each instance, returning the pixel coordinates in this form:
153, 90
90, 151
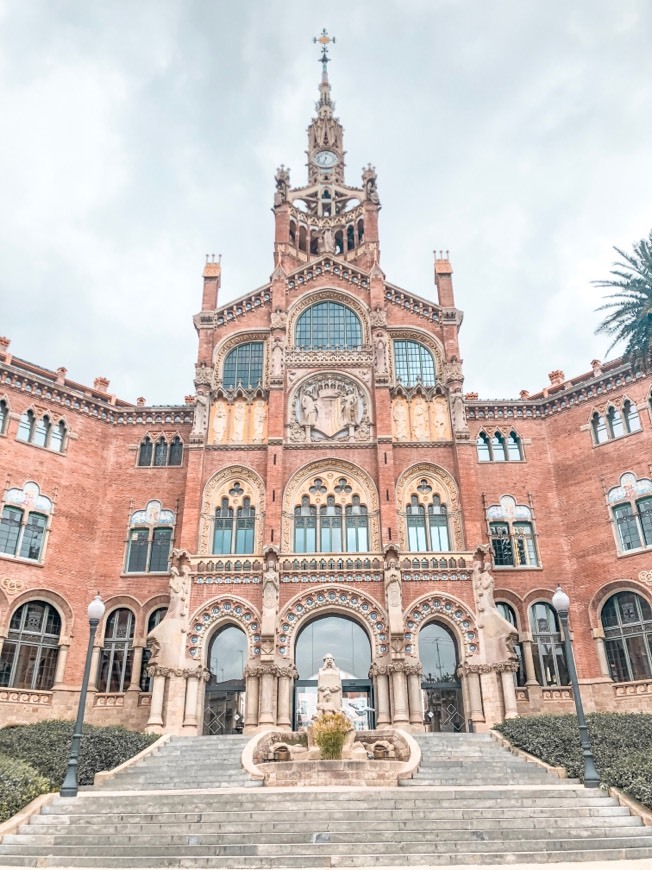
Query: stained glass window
328, 326
627, 623
30, 652
413, 364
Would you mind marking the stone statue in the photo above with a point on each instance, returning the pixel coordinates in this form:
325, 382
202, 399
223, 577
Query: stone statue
239, 418
282, 179
270, 600
459, 416
369, 179
381, 354
278, 319
260, 418
328, 241
277, 359
308, 409
167, 640
349, 408
440, 422
329, 687
179, 585
200, 420
394, 596
399, 416
420, 422
378, 317
219, 423
497, 635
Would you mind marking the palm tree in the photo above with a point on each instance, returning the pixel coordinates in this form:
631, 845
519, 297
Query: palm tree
629, 316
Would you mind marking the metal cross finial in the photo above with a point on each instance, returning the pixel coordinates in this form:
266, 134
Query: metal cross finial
324, 40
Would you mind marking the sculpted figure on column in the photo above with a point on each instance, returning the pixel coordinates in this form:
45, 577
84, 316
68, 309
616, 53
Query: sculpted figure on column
277, 359
394, 596
497, 634
167, 640
200, 420
219, 423
381, 354
399, 416
270, 599
329, 686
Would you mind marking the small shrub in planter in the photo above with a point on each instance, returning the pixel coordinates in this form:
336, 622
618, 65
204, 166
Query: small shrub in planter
19, 784
329, 731
46, 747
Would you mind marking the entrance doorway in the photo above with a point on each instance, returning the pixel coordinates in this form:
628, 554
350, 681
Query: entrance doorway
349, 644
224, 708
443, 705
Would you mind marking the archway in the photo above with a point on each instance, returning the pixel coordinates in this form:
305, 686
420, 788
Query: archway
443, 704
347, 640
224, 710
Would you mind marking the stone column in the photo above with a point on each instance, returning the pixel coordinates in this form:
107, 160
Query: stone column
267, 696
61, 664
509, 694
381, 692
286, 678
414, 697
598, 634
528, 657
475, 697
400, 714
134, 685
192, 696
251, 699
95, 668
156, 706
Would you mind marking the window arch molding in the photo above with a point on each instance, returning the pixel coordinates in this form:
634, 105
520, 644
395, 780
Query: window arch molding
214, 615
442, 483
150, 455
614, 420
25, 520
47, 426
421, 337
49, 597
630, 508
497, 444
327, 295
339, 600
600, 598
451, 612
330, 471
224, 348
148, 608
127, 602
217, 488
5, 413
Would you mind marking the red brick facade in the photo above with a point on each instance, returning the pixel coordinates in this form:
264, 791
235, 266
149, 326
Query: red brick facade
266, 437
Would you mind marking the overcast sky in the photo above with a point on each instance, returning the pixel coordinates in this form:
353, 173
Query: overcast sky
139, 136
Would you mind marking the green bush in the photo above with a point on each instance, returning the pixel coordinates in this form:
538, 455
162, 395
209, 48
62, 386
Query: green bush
621, 744
46, 747
19, 784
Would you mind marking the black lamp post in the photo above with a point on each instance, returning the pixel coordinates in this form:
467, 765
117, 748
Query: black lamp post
561, 603
70, 785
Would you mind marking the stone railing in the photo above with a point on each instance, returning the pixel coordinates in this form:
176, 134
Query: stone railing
437, 567
341, 568
629, 690
207, 570
25, 696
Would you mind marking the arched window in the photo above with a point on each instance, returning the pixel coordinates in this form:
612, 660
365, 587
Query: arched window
145, 680
427, 521
234, 529
599, 427
30, 652
22, 533
498, 448
149, 540
160, 454
26, 427
615, 421
224, 709
438, 653
514, 452
340, 525
176, 451
243, 366
413, 364
630, 415
482, 444
4, 416
631, 506
627, 622
118, 652
328, 326
508, 613
511, 532
57, 437
547, 648
146, 451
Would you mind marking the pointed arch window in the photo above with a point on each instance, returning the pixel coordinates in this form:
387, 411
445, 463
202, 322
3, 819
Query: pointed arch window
26, 427
330, 526
234, 527
154, 619
243, 366
4, 416
41, 432
161, 453
483, 448
176, 451
340, 525
117, 657
357, 527
31, 650
413, 364
427, 521
615, 423
599, 427
547, 647
498, 448
145, 452
631, 506
631, 417
627, 623
150, 540
328, 326
511, 531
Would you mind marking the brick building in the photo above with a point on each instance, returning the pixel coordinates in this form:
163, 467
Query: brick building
329, 488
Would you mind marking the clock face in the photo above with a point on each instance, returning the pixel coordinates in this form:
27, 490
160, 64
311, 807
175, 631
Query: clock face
325, 159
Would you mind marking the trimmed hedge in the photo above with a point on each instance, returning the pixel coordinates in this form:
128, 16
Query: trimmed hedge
19, 784
621, 744
46, 747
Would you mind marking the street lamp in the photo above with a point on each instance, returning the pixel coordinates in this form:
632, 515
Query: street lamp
70, 785
561, 603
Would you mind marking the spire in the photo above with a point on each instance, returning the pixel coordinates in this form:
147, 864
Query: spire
324, 101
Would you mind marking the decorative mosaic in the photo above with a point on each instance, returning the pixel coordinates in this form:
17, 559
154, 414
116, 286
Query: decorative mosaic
335, 598
630, 488
232, 609
29, 497
152, 514
508, 510
431, 606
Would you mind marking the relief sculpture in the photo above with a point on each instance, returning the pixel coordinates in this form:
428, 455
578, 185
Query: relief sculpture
326, 408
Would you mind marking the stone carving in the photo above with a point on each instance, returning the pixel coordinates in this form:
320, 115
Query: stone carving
167, 640
270, 600
179, 586
380, 355
230, 608
453, 371
497, 634
200, 419
369, 179
440, 423
219, 422
378, 316
277, 359
459, 415
420, 422
203, 375
329, 687
645, 577
393, 594
327, 241
399, 416
329, 407
260, 418
278, 319
282, 179
11, 586
239, 420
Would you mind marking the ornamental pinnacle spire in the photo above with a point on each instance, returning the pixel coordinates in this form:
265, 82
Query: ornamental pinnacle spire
324, 89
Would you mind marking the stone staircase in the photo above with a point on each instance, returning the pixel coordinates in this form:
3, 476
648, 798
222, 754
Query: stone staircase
164, 815
187, 763
471, 759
